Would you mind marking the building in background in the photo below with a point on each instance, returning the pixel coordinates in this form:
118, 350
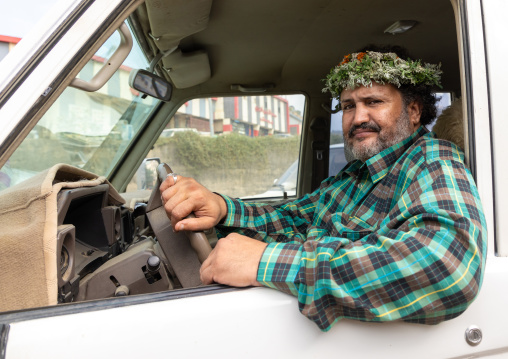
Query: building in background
7, 43
295, 121
247, 115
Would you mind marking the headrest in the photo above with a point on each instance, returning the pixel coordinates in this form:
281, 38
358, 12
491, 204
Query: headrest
450, 124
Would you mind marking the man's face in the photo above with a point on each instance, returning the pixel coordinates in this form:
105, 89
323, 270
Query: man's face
375, 118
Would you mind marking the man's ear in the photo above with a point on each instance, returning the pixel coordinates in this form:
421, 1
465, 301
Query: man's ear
414, 110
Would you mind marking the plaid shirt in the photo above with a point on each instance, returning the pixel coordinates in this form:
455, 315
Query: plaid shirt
399, 237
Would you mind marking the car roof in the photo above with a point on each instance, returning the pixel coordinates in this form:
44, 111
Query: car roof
292, 44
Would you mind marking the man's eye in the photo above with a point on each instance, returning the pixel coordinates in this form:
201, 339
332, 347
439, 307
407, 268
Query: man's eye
347, 107
374, 102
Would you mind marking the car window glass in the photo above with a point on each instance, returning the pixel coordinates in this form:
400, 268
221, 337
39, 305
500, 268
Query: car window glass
444, 99
244, 146
89, 130
337, 159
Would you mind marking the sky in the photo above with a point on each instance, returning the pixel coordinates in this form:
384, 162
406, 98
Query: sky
18, 17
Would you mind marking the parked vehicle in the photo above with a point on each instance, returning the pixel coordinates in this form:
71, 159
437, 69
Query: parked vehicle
285, 185
83, 275
170, 132
337, 159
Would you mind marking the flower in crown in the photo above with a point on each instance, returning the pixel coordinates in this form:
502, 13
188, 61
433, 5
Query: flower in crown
361, 68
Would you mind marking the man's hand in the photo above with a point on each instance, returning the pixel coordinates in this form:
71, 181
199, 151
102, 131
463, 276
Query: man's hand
234, 261
187, 196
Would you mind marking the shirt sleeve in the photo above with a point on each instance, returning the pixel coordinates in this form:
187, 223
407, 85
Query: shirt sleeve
422, 264
284, 222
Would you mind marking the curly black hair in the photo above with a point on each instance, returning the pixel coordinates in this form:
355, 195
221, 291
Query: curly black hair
422, 94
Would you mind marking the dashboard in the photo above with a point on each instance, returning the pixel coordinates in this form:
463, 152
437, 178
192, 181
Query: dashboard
107, 250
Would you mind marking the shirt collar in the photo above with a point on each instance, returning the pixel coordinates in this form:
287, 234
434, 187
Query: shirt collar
379, 165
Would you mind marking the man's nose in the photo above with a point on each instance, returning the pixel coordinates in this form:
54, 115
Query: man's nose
361, 115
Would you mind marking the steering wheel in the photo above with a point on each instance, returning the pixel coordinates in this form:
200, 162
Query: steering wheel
198, 240
185, 250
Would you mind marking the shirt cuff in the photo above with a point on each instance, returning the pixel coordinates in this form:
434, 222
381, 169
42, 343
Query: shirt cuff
234, 211
279, 266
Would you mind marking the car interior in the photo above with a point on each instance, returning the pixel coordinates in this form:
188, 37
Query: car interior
87, 239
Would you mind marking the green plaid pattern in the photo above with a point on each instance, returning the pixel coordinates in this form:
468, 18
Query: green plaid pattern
399, 237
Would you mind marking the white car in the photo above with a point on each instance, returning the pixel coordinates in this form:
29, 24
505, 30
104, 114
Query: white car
170, 132
83, 275
285, 185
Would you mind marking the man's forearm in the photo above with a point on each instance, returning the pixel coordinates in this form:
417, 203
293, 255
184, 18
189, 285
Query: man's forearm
423, 262
404, 276
269, 223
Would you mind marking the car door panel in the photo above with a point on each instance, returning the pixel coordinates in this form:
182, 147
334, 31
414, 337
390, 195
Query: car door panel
251, 323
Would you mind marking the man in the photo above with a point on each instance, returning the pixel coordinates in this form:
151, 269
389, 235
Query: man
398, 234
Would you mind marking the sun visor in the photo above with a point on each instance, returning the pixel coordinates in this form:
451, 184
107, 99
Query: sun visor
165, 24
173, 20
187, 69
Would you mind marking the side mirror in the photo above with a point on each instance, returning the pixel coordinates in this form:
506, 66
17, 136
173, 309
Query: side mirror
146, 175
150, 84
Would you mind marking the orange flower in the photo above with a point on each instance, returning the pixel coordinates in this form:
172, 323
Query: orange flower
346, 59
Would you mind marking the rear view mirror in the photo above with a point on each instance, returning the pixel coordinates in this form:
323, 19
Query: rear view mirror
150, 84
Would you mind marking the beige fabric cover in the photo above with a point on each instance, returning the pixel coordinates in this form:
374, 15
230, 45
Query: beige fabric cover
28, 235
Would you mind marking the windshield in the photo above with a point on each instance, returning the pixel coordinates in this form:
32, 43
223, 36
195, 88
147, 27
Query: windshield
89, 130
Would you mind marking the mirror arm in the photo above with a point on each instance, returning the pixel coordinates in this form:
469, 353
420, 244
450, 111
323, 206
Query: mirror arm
159, 56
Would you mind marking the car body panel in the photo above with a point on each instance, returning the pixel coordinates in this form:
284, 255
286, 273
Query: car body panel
223, 325
477, 97
496, 49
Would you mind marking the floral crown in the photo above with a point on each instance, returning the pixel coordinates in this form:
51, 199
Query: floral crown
362, 68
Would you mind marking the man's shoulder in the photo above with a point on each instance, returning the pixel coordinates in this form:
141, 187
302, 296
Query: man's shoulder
435, 149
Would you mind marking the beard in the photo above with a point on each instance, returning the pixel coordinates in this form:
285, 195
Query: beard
386, 138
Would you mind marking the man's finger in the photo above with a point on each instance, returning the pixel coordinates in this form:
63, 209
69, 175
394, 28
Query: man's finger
194, 224
206, 272
179, 206
165, 185
169, 181
172, 197
167, 194
172, 179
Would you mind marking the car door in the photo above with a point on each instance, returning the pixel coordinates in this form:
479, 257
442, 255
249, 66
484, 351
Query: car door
254, 322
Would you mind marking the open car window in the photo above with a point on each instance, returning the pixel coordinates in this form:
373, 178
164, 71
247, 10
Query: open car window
244, 146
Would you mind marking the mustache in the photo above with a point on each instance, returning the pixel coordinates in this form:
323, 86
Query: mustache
364, 126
